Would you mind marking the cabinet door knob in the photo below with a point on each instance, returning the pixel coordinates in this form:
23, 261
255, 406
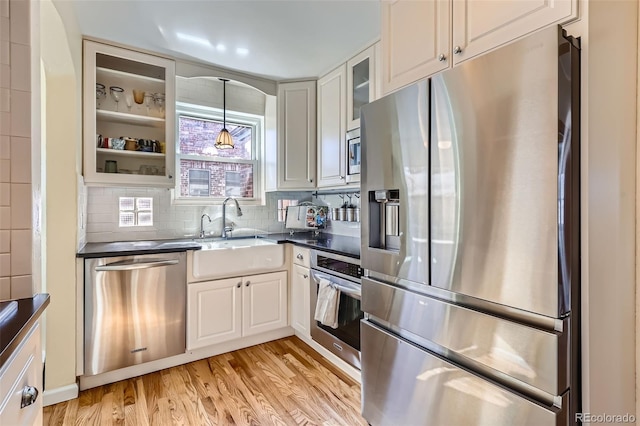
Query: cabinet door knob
457, 49
29, 396
442, 57
239, 284
310, 180
299, 256
170, 176
305, 276
247, 284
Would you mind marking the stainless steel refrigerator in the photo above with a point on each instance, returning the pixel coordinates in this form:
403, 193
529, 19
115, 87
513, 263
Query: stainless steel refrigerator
470, 242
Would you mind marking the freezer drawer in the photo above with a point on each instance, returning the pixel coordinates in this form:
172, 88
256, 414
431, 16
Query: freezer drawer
537, 359
405, 384
135, 310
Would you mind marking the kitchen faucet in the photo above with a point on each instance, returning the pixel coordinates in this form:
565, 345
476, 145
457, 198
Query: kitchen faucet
202, 224
226, 228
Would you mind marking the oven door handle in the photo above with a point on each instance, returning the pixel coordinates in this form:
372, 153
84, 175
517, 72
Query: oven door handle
351, 290
356, 294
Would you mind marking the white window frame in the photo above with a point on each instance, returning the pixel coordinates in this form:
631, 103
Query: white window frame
257, 148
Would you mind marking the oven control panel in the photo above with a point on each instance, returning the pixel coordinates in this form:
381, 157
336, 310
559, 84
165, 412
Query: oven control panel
338, 265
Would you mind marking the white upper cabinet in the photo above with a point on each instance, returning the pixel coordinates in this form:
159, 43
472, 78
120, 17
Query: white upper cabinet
481, 25
361, 78
420, 38
414, 40
332, 128
128, 94
297, 135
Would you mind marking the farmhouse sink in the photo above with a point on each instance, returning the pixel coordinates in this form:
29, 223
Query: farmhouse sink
235, 243
236, 257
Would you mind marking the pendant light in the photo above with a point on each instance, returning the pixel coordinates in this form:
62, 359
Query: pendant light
224, 139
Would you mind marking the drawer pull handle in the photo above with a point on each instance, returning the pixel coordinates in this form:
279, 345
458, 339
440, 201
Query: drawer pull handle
299, 256
29, 396
305, 276
239, 284
247, 284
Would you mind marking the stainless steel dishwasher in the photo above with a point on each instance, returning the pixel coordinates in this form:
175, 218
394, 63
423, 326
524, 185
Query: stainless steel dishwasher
135, 310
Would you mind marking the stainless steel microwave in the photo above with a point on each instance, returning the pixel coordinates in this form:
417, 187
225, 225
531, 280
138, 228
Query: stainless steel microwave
354, 155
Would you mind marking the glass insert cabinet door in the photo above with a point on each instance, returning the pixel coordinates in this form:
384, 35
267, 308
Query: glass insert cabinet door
129, 117
360, 85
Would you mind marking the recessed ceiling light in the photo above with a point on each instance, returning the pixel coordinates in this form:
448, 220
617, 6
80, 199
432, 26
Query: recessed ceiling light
242, 51
221, 47
194, 39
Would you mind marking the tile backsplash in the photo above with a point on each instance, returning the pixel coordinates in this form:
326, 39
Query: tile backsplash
15, 150
180, 221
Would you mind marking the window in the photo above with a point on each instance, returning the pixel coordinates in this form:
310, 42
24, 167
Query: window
199, 183
136, 211
207, 173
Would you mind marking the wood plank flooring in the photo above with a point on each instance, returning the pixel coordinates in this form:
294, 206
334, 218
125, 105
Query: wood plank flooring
283, 382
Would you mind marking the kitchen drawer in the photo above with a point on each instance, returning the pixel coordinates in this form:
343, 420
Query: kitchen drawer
406, 384
301, 256
23, 370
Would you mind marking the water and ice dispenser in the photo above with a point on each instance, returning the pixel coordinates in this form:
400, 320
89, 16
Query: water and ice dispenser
384, 219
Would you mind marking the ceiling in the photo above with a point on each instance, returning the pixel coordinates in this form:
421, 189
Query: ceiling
278, 40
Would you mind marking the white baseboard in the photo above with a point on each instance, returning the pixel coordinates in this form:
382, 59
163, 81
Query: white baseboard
87, 382
61, 394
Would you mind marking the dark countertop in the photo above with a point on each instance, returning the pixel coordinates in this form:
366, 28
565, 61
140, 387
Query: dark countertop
18, 322
338, 244
132, 248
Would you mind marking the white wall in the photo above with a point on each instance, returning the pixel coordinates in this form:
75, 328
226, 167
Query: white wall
609, 88
207, 91
61, 57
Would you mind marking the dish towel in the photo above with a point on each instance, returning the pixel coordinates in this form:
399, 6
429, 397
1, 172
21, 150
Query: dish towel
328, 304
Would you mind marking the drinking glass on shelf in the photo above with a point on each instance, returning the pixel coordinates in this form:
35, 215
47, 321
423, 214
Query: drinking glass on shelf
129, 100
116, 94
138, 96
148, 100
101, 93
159, 101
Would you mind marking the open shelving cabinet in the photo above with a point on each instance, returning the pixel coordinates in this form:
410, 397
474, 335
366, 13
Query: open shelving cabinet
130, 70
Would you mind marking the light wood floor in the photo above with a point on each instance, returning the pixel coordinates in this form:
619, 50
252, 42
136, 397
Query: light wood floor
284, 382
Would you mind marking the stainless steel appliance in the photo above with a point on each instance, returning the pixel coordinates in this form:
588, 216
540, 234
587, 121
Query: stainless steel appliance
470, 242
344, 274
135, 310
354, 156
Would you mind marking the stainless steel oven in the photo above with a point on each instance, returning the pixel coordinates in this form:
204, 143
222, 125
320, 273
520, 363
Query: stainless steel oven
344, 274
354, 155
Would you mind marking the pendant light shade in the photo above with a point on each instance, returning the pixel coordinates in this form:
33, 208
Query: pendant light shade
224, 139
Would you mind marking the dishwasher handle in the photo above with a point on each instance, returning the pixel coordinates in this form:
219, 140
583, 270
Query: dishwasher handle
130, 265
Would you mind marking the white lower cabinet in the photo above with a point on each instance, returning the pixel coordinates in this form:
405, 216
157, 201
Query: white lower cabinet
227, 309
214, 312
21, 383
264, 303
300, 299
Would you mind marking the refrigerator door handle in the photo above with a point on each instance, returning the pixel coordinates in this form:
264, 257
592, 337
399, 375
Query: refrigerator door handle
133, 265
